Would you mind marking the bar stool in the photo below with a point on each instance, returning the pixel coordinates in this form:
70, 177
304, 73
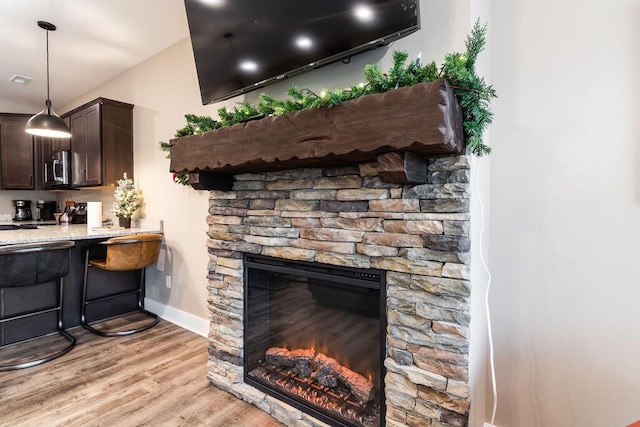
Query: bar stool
34, 264
126, 253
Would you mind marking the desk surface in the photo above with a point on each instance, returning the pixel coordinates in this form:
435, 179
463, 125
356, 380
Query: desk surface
46, 233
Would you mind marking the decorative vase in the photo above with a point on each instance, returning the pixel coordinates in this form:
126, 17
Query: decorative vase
124, 222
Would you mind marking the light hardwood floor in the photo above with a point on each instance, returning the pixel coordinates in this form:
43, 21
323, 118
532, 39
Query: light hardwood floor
154, 378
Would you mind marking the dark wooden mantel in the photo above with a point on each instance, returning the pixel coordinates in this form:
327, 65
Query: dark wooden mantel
424, 120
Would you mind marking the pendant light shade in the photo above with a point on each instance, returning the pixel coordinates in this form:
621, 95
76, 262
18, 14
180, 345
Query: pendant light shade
47, 123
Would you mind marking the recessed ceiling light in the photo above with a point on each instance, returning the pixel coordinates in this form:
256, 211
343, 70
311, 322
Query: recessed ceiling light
21, 80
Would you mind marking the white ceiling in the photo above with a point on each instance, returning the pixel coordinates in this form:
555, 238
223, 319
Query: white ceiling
95, 41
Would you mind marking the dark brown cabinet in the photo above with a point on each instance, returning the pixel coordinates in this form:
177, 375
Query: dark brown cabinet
101, 142
16, 152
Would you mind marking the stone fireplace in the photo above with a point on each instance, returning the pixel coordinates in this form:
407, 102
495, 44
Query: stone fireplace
417, 236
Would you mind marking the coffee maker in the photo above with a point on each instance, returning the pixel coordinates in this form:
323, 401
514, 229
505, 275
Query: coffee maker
23, 210
46, 210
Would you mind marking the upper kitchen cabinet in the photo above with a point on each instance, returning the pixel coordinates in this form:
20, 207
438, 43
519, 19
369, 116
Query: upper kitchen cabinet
101, 142
16, 151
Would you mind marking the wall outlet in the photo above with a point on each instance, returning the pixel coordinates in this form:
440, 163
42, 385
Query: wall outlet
168, 281
489, 425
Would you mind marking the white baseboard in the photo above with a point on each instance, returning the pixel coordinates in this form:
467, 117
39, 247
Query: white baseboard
181, 318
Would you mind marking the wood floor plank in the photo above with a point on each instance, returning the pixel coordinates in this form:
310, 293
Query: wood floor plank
155, 378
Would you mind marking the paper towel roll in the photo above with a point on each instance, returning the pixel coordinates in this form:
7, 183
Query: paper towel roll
94, 215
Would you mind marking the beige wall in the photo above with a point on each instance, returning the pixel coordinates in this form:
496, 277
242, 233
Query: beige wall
565, 209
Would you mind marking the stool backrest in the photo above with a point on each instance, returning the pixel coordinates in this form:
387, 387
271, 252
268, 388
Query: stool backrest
132, 252
33, 263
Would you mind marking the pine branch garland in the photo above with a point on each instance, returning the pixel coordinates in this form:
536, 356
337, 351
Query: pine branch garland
473, 93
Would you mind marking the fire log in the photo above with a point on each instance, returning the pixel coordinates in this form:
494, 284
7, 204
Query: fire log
300, 359
361, 387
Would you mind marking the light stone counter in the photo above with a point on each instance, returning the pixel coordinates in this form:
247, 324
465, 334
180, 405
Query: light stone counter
46, 233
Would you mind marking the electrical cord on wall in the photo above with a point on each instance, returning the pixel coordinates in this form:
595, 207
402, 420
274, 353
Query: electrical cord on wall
486, 302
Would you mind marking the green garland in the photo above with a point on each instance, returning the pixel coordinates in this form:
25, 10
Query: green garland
473, 93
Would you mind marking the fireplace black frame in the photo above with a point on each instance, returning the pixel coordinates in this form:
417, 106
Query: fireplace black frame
344, 275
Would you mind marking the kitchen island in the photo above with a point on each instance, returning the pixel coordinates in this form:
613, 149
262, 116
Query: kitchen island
18, 300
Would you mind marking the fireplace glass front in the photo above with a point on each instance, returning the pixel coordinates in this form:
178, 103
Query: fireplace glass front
314, 338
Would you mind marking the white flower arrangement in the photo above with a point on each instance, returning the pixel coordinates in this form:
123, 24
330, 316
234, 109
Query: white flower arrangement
127, 198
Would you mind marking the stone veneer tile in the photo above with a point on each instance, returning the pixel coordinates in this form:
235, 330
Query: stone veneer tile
249, 177
438, 191
227, 211
223, 219
306, 222
392, 239
450, 329
275, 231
369, 169
458, 388
394, 205
269, 221
449, 370
354, 260
456, 271
444, 205
341, 206
313, 194
444, 400
289, 253
362, 224
248, 185
289, 184
362, 194
414, 227
379, 215
443, 286
447, 243
331, 234
228, 195
341, 171
442, 177
438, 216
308, 214
377, 250
431, 255
321, 245
428, 268
338, 182
448, 163
267, 241
376, 182
417, 375
263, 212
457, 228
294, 174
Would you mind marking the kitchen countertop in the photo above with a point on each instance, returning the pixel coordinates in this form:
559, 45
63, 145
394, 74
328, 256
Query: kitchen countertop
59, 232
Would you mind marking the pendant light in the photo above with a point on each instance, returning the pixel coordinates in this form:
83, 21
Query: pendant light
47, 122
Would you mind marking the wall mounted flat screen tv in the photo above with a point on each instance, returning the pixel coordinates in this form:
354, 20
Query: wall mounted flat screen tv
242, 45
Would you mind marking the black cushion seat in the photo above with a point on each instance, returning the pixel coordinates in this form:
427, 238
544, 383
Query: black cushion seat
32, 264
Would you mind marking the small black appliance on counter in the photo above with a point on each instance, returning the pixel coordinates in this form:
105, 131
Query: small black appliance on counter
79, 214
46, 210
23, 210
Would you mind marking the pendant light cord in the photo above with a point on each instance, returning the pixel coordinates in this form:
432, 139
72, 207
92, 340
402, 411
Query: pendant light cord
48, 101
